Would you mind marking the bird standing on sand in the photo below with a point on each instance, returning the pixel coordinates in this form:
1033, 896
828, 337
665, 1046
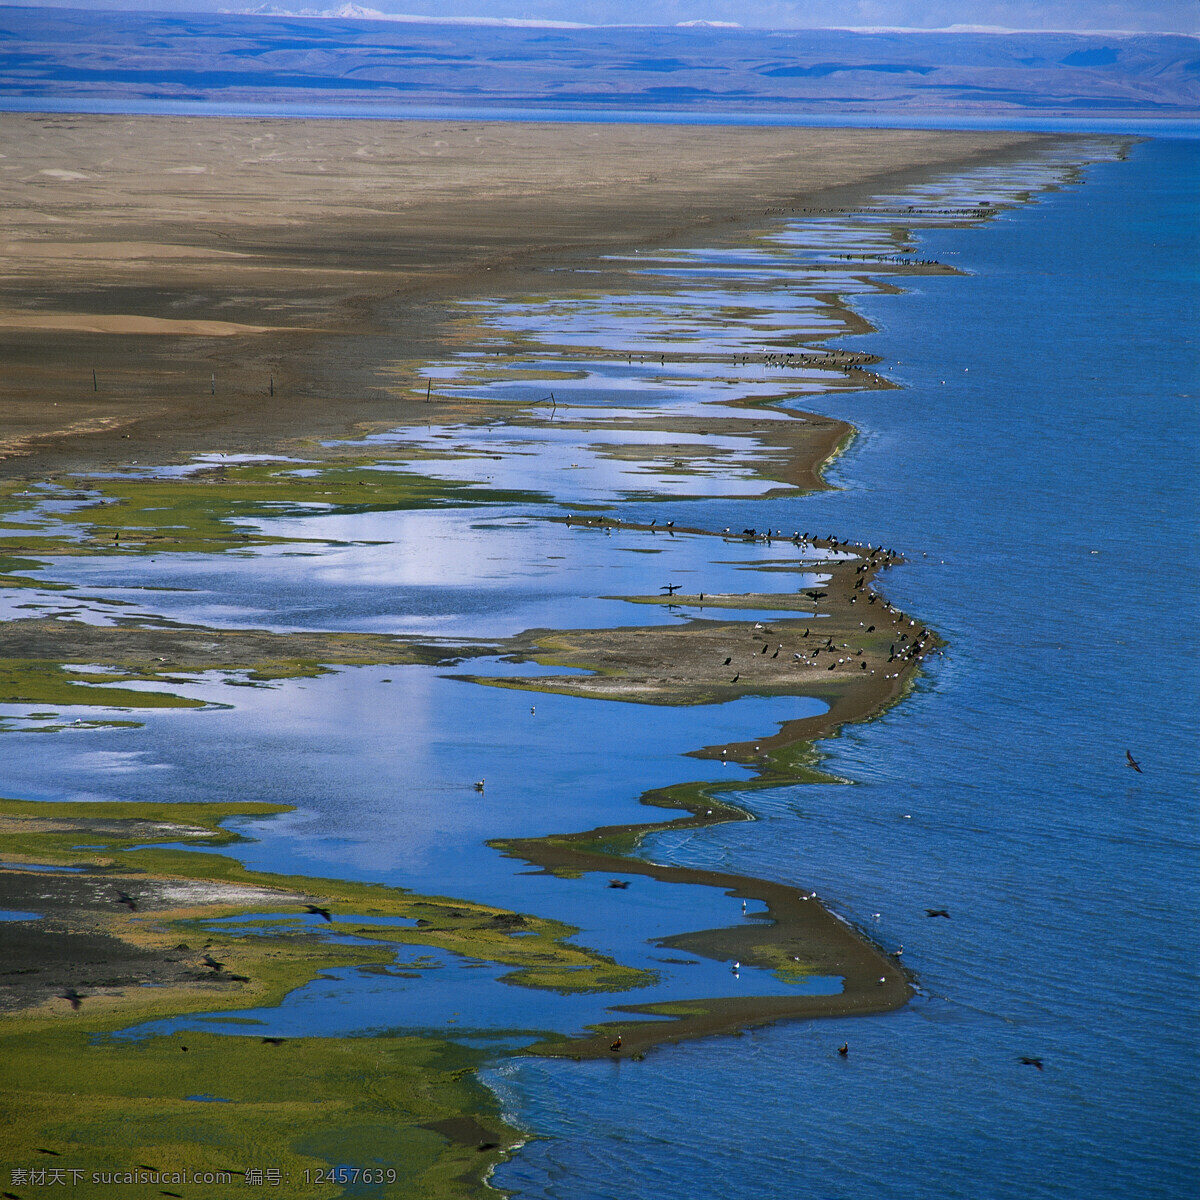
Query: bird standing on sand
1130, 761
616, 1045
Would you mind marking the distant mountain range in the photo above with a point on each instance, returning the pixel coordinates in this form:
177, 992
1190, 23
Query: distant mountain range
356, 12
89, 55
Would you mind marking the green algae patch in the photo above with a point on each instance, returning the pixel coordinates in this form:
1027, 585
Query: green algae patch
50, 832
10, 564
40, 681
204, 510
34, 651
223, 1108
157, 899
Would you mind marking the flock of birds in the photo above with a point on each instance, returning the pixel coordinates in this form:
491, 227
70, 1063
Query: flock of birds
875, 556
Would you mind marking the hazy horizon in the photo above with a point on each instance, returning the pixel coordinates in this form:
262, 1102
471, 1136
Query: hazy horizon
1078, 16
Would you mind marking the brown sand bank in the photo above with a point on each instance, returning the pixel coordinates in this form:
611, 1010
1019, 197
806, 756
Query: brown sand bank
116, 225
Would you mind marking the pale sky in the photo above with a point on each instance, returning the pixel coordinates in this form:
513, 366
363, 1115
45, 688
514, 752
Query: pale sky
1164, 16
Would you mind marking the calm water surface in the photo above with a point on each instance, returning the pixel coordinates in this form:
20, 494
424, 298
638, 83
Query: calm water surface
1039, 471
1037, 468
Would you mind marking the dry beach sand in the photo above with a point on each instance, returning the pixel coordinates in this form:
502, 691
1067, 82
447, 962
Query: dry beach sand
160, 252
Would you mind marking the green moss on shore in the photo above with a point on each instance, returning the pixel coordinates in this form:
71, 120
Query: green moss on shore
69, 1083
44, 681
208, 509
409, 1110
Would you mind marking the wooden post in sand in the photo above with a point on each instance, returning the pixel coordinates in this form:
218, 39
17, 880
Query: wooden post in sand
272, 378
214, 384
428, 389
95, 385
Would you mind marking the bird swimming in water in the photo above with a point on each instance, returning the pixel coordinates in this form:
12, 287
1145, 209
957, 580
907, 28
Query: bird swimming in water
618, 883
316, 910
479, 785
844, 1049
1132, 762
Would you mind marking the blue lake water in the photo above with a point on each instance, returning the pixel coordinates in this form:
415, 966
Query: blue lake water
1036, 467
1042, 457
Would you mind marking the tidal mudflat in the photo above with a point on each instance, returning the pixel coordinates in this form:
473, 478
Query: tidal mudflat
430, 667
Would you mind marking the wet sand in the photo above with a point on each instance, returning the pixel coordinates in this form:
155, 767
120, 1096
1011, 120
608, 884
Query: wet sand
235, 283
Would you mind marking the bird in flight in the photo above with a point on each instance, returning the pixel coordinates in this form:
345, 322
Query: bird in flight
1132, 762
209, 961
316, 910
1031, 1062
127, 899
73, 996
937, 912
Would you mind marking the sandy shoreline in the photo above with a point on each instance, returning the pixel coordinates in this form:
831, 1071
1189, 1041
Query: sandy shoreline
359, 229
351, 238
257, 283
